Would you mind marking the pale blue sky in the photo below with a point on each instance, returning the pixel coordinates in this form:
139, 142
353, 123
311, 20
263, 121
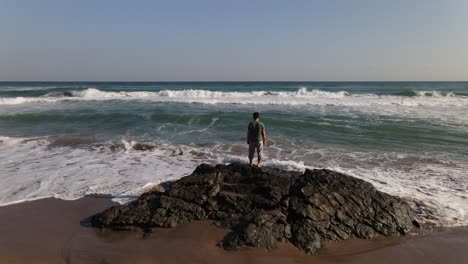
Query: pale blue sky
111, 40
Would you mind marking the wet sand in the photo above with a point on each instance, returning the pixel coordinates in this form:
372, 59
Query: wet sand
56, 231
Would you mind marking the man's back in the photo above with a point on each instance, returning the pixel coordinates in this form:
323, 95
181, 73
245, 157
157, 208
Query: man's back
255, 131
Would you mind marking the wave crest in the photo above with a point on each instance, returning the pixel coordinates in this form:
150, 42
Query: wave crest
435, 93
301, 97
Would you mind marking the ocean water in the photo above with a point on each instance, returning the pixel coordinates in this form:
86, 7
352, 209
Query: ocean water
66, 140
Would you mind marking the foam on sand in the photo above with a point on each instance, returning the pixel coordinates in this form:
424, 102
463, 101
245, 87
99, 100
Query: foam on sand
34, 168
31, 169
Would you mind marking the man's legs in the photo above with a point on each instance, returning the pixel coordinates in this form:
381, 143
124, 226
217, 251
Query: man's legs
251, 152
259, 153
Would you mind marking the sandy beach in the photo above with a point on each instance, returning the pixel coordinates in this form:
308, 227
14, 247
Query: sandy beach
56, 231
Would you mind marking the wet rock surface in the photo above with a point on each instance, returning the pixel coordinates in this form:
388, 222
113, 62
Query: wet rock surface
263, 206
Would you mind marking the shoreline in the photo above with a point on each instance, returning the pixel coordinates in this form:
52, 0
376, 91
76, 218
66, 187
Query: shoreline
56, 231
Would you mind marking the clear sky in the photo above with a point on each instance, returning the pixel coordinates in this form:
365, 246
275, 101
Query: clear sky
216, 40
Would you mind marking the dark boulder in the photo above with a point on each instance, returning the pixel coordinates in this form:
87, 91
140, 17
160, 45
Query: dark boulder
262, 206
67, 94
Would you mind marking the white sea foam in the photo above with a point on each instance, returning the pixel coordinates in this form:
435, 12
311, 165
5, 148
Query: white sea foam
32, 168
27, 88
24, 100
435, 94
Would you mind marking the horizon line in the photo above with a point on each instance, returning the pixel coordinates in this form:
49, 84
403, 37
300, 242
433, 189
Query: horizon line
286, 81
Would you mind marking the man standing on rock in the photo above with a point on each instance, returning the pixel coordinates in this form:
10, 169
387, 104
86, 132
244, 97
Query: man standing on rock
256, 138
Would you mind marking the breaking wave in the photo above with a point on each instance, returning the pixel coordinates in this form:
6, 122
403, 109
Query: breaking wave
302, 96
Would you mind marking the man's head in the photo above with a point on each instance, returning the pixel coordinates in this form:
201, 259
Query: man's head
256, 115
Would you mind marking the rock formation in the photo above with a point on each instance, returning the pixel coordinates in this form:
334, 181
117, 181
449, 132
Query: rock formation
262, 206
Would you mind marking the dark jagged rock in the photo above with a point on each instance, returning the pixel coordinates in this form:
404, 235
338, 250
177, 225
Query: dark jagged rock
262, 206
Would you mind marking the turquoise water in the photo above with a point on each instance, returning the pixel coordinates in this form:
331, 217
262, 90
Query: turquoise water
344, 125
407, 138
